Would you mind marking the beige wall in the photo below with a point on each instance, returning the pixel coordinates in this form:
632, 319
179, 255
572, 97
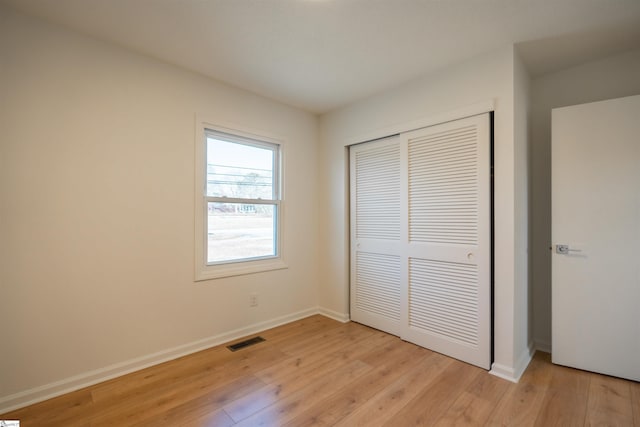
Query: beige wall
97, 208
489, 77
611, 77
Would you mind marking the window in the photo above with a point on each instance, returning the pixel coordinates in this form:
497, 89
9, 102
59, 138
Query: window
238, 203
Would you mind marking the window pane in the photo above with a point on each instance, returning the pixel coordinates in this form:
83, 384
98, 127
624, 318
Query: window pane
239, 170
237, 231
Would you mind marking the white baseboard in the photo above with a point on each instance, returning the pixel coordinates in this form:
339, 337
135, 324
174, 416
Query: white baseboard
340, 317
514, 373
47, 391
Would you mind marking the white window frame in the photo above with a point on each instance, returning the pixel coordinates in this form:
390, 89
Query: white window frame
204, 270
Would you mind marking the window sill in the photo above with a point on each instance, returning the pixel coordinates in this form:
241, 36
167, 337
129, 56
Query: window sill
238, 269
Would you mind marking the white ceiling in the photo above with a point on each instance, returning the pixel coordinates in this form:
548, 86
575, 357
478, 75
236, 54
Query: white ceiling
323, 54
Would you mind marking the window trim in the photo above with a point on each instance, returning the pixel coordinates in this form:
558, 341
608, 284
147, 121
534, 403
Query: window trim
204, 270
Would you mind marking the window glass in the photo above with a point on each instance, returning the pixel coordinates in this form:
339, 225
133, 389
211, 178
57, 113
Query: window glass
238, 231
237, 170
241, 198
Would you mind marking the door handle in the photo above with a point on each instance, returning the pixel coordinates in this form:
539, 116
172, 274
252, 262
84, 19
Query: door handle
565, 249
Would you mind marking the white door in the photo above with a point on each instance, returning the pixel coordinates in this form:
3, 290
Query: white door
375, 234
449, 239
596, 219
420, 236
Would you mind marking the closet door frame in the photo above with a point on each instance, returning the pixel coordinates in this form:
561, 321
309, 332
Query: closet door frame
404, 250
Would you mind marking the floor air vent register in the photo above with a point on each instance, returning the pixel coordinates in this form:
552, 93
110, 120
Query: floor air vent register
246, 343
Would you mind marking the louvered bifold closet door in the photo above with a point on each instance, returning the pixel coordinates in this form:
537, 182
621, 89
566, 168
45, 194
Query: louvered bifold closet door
376, 264
449, 239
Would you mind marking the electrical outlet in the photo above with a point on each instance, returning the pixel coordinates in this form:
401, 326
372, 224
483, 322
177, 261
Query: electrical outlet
253, 300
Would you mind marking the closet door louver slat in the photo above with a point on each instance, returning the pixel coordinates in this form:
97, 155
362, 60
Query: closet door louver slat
375, 234
449, 239
444, 299
435, 208
377, 197
378, 284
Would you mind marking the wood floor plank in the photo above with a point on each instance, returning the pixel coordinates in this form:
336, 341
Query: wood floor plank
70, 408
609, 402
379, 355
163, 372
521, 403
373, 343
310, 354
299, 328
204, 411
427, 407
280, 388
148, 401
390, 365
349, 332
254, 402
317, 371
387, 403
213, 419
565, 402
635, 401
285, 409
292, 374
200, 378
476, 403
215, 396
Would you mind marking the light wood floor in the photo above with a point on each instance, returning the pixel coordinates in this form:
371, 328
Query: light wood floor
317, 371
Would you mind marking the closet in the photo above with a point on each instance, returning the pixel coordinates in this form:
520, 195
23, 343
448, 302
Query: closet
421, 237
